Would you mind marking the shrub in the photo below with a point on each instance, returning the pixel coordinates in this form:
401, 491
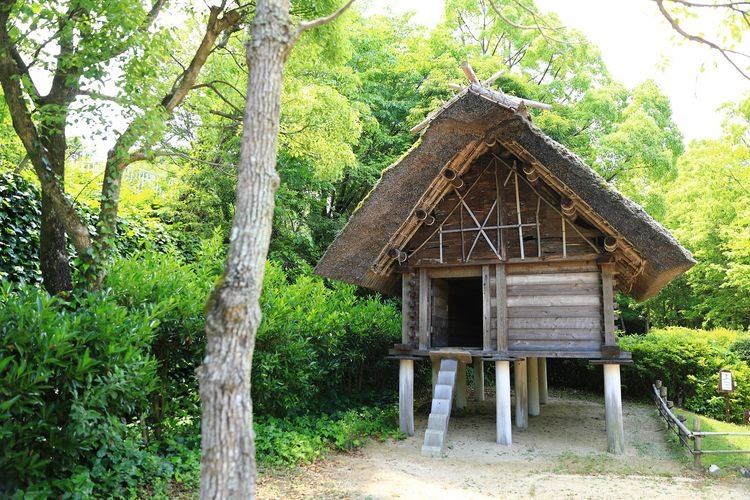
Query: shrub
688, 362
74, 374
164, 286
314, 343
741, 347
298, 440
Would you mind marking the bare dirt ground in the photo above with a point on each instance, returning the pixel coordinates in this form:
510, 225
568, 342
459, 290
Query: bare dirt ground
561, 455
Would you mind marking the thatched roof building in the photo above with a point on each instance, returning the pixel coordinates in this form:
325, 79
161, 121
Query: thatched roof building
468, 126
504, 247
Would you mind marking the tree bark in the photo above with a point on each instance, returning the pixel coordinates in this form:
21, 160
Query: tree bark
53, 251
233, 311
46, 151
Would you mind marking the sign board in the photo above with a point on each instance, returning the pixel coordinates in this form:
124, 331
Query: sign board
725, 381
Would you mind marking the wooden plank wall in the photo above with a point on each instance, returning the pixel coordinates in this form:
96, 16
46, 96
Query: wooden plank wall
554, 307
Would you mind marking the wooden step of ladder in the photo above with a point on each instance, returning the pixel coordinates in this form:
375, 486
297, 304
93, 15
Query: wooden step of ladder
442, 401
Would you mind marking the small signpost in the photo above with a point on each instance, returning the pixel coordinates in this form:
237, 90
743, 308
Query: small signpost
726, 385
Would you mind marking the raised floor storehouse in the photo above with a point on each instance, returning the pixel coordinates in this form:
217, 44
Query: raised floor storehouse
504, 247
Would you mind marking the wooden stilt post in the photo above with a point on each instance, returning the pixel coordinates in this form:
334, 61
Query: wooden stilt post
532, 367
406, 396
522, 395
502, 395
542, 381
613, 409
479, 378
461, 386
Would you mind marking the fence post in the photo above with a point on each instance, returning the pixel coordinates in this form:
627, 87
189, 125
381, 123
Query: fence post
663, 393
657, 383
697, 444
683, 437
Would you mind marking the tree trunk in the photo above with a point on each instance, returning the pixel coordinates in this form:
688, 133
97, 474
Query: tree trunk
233, 312
53, 251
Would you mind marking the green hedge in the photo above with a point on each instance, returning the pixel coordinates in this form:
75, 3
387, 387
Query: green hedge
75, 373
98, 394
317, 344
688, 362
298, 440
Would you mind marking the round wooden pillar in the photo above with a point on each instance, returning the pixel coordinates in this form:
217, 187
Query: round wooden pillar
522, 395
613, 409
479, 378
532, 366
461, 386
502, 395
542, 381
406, 396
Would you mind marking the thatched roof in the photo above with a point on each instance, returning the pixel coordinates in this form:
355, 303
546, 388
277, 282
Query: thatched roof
473, 118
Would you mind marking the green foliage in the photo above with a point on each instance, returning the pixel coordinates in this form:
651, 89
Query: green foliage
74, 374
644, 144
688, 362
11, 149
20, 210
741, 347
315, 343
707, 206
299, 440
166, 287
19, 229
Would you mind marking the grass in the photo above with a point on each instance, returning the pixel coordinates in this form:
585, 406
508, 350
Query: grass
734, 460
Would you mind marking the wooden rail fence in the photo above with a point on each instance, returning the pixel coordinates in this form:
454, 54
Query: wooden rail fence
693, 440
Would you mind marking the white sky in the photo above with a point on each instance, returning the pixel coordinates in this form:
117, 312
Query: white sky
636, 44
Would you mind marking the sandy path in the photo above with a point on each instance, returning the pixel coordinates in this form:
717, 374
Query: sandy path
561, 455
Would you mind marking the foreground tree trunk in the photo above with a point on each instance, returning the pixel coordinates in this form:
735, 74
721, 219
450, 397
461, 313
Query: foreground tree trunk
233, 311
233, 315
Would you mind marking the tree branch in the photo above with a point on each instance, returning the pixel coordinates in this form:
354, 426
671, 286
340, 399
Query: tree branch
537, 26
237, 118
216, 26
212, 85
308, 25
154, 12
699, 39
93, 94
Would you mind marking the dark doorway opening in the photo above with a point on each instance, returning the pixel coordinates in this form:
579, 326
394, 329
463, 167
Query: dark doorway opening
462, 314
